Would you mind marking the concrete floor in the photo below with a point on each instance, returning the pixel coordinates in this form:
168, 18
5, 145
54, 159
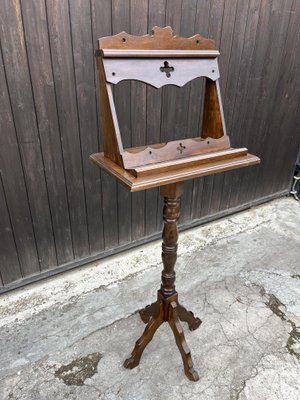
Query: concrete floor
67, 337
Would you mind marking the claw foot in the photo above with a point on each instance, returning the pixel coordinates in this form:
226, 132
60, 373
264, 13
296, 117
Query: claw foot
195, 324
131, 362
192, 375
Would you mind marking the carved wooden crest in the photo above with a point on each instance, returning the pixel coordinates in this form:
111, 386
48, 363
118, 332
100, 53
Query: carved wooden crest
160, 39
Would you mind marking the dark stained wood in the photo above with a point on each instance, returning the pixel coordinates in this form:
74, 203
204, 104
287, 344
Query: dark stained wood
285, 117
39, 251
152, 326
138, 26
67, 106
112, 143
216, 14
174, 150
122, 95
213, 136
213, 124
171, 211
39, 57
102, 26
10, 265
261, 13
238, 181
170, 106
167, 307
144, 70
230, 18
278, 44
272, 49
155, 180
230, 15
25, 123
170, 94
83, 51
15, 208
197, 89
156, 16
242, 25
187, 28
195, 113
192, 161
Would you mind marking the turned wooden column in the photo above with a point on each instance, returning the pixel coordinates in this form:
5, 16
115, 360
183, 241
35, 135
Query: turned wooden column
171, 213
167, 307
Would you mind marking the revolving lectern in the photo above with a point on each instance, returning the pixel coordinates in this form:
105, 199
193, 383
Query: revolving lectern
164, 59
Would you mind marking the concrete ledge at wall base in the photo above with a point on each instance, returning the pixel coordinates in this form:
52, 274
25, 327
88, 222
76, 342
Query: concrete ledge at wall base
139, 242
27, 301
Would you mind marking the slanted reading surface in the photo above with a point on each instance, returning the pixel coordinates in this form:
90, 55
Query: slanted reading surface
163, 59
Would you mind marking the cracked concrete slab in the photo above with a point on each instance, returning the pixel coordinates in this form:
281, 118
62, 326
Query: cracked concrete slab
67, 337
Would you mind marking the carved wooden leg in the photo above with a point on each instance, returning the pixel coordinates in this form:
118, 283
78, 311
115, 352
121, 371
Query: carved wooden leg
149, 311
167, 308
181, 343
146, 337
188, 316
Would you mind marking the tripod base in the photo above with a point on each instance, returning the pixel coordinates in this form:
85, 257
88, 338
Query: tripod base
166, 309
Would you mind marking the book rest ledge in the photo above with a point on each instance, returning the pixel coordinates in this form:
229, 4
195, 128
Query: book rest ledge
161, 176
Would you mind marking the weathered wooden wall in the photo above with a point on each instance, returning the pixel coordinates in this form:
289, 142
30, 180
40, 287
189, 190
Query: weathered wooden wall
57, 209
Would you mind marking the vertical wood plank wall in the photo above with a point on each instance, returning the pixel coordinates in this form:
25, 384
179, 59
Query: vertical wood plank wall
57, 209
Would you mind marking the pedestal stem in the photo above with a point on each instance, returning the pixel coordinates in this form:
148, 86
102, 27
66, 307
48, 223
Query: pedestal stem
171, 212
167, 307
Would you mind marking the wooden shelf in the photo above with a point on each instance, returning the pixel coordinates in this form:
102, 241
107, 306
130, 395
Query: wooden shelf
181, 174
187, 162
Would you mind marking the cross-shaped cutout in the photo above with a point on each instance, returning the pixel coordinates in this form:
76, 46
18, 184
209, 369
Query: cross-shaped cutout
180, 148
167, 69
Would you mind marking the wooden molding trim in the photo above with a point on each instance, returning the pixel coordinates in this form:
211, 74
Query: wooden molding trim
136, 184
120, 53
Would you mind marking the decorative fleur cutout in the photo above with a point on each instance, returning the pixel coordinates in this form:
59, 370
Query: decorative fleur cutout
167, 69
181, 148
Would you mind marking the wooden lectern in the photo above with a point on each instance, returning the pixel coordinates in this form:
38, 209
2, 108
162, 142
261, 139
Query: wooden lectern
163, 59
